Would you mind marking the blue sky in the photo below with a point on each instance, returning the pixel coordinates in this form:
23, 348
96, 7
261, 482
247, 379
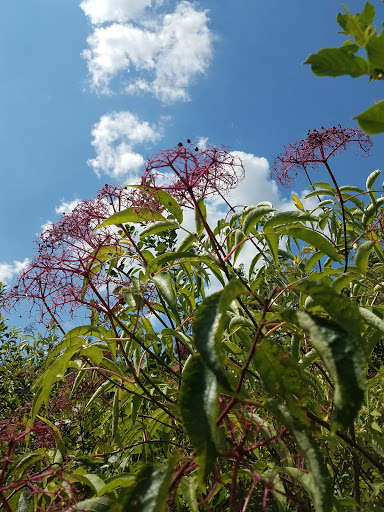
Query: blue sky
91, 88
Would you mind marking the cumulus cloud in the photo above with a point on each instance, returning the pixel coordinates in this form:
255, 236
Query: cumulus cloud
67, 207
166, 57
10, 270
101, 11
114, 138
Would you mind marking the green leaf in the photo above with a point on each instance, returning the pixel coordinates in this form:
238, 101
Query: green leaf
101, 504
279, 373
209, 325
188, 486
321, 192
121, 480
186, 242
57, 370
362, 256
375, 51
316, 239
372, 119
24, 502
272, 239
166, 289
289, 217
92, 480
131, 215
93, 353
339, 307
372, 178
199, 407
358, 25
337, 62
101, 389
158, 227
321, 501
150, 490
253, 217
343, 356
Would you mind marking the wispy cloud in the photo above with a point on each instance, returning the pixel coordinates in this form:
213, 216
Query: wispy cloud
114, 138
67, 206
165, 55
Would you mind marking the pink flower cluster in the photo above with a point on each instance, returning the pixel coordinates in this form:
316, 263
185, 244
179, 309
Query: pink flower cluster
74, 266
317, 148
187, 172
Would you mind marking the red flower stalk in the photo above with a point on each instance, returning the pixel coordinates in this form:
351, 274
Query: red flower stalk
187, 171
316, 149
72, 265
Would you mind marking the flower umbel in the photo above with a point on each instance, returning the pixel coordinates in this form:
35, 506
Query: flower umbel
317, 148
184, 171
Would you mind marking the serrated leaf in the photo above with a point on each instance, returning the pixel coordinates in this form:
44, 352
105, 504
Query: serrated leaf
208, 327
150, 490
158, 227
131, 214
253, 217
337, 62
372, 119
317, 481
362, 256
279, 373
343, 356
199, 407
316, 239
188, 486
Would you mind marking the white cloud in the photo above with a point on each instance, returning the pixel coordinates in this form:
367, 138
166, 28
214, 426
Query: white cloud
166, 57
67, 207
46, 226
114, 139
9, 270
101, 11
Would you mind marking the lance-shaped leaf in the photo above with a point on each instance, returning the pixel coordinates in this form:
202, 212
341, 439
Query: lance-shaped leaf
131, 215
286, 218
343, 355
199, 408
320, 487
166, 289
101, 504
150, 490
158, 227
362, 256
209, 325
316, 239
253, 217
